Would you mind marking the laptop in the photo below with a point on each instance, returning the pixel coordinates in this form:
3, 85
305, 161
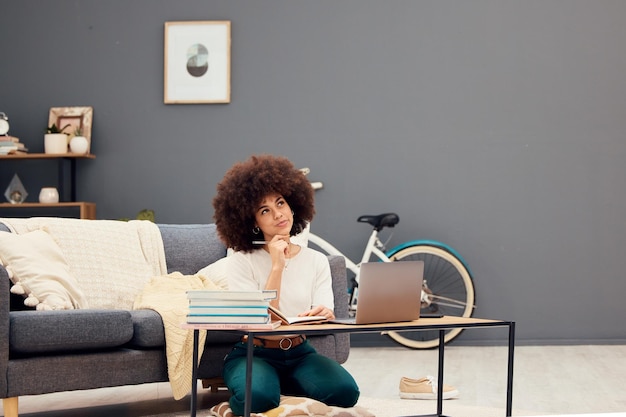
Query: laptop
388, 292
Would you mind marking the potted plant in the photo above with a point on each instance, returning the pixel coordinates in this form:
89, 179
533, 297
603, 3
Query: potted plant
55, 140
79, 143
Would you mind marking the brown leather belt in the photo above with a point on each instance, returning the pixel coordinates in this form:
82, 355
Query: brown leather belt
285, 343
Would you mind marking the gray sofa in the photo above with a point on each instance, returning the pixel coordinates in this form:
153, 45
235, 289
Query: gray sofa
64, 350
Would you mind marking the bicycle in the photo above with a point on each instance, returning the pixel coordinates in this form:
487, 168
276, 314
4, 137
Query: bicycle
447, 289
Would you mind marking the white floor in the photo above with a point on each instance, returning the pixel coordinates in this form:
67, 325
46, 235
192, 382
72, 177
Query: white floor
548, 379
554, 380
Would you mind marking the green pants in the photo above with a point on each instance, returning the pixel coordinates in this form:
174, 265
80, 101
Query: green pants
299, 371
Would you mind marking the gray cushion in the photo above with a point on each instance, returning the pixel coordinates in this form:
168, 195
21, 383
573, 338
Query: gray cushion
149, 332
68, 330
190, 247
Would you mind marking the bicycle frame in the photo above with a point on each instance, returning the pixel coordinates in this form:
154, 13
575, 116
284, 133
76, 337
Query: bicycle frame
374, 246
432, 296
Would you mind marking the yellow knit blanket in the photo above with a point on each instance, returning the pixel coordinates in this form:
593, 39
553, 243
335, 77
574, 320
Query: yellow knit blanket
166, 295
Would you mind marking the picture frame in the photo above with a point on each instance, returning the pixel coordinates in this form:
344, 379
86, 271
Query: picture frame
197, 62
75, 117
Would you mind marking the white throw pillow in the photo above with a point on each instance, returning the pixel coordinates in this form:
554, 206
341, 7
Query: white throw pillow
39, 271
217, 272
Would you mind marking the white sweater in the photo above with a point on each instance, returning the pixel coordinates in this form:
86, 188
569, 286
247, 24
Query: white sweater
306, 280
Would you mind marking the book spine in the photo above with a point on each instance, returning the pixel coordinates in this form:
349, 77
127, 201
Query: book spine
231, 295
232, 326
227, 311
228, 319
228, 303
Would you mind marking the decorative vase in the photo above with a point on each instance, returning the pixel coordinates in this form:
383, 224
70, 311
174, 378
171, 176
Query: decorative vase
79, 144
48, 195
15, 192
55, 143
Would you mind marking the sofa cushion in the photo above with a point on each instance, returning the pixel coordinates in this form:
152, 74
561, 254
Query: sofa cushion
40, 271
34, 332
190, 247
149, 332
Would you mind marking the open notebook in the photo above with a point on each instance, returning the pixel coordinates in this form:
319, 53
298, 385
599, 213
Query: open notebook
278, 315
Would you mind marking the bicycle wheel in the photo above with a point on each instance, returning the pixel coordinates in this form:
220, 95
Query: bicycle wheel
448, 289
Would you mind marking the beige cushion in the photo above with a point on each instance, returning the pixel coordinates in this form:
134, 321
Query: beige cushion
39, 271
217, 273
297, 406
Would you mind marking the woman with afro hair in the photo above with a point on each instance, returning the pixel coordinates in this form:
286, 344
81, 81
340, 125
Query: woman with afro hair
260, 204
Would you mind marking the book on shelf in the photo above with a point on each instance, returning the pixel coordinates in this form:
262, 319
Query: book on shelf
7, 150
211, 310
228, 319
253, 295
271, 325
276, 314
10, 145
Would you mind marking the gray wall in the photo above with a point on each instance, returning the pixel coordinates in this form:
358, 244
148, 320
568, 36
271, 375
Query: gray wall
495, 126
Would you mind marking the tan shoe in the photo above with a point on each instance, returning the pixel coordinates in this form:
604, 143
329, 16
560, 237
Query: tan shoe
424, 389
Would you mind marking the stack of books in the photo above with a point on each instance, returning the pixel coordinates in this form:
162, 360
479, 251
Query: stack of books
230, 309
10, 145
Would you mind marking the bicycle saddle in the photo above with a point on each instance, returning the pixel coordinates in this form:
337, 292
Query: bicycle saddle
380, 221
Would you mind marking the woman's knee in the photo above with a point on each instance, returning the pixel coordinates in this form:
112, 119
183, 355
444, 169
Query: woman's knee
345, 395
262, 400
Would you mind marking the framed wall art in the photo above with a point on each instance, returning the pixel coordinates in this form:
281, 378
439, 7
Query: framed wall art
197, 62
76, 117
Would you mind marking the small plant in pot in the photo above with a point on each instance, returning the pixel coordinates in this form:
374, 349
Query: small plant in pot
79, 143
55, 129
55, 139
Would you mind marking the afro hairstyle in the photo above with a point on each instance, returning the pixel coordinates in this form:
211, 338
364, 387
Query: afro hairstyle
244, 187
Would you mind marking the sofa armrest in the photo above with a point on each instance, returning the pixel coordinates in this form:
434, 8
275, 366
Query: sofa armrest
5, 302
340, 285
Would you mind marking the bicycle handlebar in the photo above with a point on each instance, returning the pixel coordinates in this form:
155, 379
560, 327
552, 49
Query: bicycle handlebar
316, 185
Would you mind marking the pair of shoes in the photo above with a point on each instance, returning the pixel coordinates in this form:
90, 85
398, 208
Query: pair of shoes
424, 389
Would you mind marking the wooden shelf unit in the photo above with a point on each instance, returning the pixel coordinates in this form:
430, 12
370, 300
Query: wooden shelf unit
48, 156
85, 210
68, 206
